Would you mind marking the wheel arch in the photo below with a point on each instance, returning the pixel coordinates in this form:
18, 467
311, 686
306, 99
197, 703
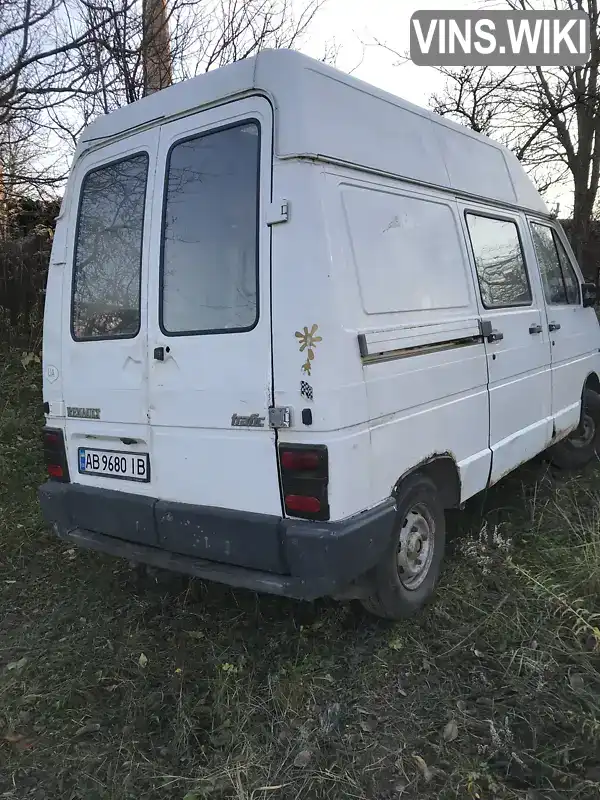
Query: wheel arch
441, 468
592, 382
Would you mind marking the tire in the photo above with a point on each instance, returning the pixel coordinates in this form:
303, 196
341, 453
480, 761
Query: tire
583, 445
401, 587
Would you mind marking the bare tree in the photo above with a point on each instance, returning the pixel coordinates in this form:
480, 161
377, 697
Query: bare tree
202, 34
549, 117
474, 96
63, 62
40, 71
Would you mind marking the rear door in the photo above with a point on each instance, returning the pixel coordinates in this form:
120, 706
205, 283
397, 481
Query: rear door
210, 330
516, 338
104, 359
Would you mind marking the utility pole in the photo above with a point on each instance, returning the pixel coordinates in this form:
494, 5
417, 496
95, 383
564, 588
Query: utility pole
4, 210
156, 47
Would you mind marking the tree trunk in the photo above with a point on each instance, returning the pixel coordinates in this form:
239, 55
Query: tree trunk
156, 51
583, 209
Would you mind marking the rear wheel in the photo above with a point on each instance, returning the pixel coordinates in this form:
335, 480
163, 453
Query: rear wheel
405, 579
583, 445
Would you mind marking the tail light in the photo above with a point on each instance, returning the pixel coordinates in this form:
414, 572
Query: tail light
55, 455
304, 480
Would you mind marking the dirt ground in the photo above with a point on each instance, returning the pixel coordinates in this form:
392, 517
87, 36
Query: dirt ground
121, 685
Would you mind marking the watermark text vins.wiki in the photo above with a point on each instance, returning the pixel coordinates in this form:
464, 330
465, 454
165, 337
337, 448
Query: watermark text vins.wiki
500, 38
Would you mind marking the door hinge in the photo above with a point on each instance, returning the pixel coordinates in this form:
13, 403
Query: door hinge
278, 212
56, 408
280, 417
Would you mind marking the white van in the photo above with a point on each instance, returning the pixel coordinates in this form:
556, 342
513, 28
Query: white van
290, 320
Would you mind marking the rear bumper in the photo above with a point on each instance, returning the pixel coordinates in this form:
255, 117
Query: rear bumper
315, 559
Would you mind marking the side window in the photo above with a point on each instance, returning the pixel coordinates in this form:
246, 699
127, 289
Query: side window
547, 256
561, 285
108, 251
210, 233
499, 262
569, 276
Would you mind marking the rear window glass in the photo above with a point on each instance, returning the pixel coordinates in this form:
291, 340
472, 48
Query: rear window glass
209, 258
108, 250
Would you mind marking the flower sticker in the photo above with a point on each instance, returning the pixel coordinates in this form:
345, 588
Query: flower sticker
308, 341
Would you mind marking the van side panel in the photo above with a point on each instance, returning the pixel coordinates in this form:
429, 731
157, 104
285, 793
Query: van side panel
306, 317
403, 281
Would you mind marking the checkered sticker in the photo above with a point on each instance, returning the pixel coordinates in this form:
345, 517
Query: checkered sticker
306, 390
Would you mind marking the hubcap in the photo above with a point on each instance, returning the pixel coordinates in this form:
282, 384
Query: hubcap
585, 433
415, 548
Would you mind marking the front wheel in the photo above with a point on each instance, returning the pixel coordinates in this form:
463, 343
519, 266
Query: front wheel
405, 579
582, 445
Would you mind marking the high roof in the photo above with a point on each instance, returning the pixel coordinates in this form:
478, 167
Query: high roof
322, 112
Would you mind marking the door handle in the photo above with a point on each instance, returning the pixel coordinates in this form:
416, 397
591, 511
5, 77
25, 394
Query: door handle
489, 333
535, 329
159, 353
553, 326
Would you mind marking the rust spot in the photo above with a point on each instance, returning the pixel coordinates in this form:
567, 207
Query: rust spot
450, 494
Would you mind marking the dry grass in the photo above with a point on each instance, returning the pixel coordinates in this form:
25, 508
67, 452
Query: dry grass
117, 685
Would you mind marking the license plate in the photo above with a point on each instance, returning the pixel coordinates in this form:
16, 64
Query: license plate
114, 464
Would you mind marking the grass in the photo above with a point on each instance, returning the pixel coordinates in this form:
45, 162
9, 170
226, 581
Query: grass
120, 685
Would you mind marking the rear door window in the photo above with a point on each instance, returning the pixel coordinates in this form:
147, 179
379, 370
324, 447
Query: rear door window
108, 251
209, 278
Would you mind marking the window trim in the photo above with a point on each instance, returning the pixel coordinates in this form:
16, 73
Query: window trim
515, 222
558, 241
212, 331
556, 236
97, 168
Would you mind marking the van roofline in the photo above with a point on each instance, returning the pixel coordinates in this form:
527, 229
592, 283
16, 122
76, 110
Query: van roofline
456, 193
319, 109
